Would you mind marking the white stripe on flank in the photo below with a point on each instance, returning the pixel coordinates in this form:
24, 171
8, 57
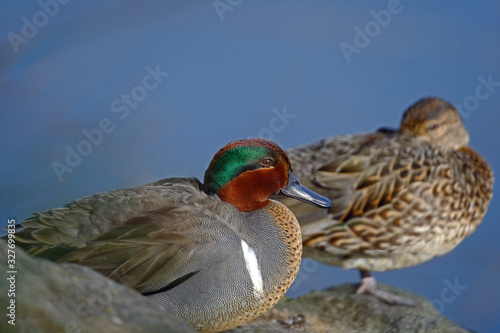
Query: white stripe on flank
253, 268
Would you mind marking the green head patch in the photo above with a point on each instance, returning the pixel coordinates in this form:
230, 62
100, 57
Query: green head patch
228, 164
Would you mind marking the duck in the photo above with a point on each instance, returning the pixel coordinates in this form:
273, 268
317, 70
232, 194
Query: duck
216, 254
400, 196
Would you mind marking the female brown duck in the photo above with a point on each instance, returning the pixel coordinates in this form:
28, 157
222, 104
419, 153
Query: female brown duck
399, 198
216, 254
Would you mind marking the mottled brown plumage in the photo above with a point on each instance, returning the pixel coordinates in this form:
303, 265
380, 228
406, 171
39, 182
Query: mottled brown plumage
399, 198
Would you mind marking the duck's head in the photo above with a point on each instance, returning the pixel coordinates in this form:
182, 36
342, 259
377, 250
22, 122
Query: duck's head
247, 172
436, 121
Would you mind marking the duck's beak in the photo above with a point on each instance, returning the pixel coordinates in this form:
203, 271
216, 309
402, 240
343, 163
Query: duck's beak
294, 189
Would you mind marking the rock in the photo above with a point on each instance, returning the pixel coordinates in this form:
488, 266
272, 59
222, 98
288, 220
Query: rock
69, 298
339, 309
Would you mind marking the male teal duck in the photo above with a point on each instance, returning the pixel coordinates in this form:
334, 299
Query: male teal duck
216, 254
400, 197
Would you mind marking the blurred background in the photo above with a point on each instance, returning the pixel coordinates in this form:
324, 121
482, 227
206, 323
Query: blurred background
98, 96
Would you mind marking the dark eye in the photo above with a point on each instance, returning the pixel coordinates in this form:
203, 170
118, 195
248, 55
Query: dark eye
267, 161
431, 127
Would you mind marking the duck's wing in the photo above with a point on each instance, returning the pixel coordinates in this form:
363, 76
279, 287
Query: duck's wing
373, 180
332, 167
53, 232
154, 252
150, 238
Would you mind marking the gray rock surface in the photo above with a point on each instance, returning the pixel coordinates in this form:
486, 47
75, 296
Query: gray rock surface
69, 298
339, 309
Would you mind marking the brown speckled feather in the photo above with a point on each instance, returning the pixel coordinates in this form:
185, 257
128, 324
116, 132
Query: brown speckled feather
398, 199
